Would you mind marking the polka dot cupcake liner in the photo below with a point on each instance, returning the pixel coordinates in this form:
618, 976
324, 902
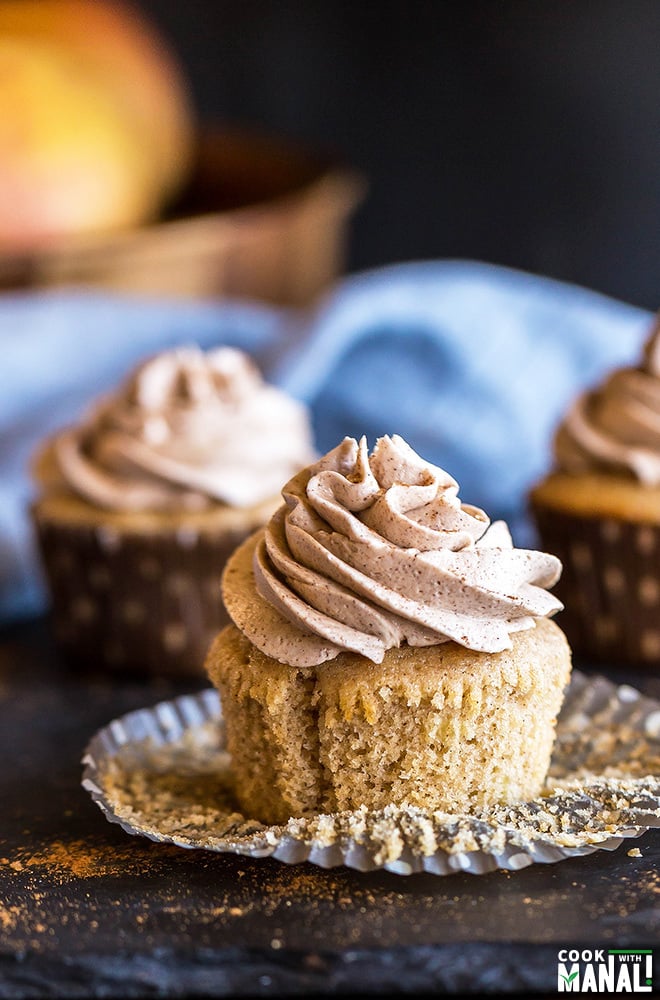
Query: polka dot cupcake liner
610, 586
149, 603
164, 773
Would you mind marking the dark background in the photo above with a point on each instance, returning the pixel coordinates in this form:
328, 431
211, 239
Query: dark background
521, 132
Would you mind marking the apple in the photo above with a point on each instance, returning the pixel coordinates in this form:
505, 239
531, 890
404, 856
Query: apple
96, 120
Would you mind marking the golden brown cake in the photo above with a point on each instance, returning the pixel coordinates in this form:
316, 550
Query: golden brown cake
388, 645
140, 505
598, 510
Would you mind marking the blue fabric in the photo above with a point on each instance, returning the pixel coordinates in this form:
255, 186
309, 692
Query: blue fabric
472, 364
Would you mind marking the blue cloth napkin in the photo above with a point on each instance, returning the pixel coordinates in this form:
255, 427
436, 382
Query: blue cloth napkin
471, 363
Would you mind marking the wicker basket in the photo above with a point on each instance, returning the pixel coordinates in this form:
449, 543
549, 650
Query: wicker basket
259, 220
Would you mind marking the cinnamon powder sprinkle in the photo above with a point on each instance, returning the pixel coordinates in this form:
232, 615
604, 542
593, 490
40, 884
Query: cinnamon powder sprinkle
77, 859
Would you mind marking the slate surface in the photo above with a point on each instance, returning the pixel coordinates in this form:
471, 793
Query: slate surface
87, 911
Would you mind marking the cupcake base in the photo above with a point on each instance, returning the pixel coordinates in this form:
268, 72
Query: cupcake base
439, 727
610, 584
137, 593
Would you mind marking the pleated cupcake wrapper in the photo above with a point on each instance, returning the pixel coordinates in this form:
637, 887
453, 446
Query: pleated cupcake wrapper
144, 602
610, 585
164, 773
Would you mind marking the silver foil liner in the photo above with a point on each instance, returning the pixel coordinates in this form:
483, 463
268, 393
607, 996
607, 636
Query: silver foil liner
164, 773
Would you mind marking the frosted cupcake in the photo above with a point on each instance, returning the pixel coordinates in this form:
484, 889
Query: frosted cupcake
140, 505
388, 645
599, 511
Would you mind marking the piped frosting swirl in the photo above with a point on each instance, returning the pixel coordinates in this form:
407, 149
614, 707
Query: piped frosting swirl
188, 429
372, 551
615, 426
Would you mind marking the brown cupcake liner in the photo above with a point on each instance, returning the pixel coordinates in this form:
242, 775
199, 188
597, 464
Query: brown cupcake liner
148, 603
610, 585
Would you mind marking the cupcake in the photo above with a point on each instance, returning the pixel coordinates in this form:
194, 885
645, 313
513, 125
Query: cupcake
140, 505
598, 510
388, 645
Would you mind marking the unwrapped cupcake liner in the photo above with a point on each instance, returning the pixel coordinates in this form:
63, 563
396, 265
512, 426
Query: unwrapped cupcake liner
149, 603
164, 773
610, 585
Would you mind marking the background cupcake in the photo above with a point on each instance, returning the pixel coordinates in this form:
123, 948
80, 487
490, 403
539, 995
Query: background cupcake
388, 645
141, 503
599, 511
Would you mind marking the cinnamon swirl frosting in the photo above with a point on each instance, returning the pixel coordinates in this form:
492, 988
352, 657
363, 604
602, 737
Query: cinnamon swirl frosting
370, 551
188, 429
